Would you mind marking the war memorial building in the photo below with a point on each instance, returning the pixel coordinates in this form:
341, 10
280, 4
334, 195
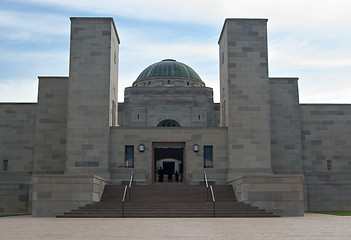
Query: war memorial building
279, 155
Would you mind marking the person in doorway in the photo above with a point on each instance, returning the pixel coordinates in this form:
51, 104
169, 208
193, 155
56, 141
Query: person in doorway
160, 174
170, 175
181, 171
176, 176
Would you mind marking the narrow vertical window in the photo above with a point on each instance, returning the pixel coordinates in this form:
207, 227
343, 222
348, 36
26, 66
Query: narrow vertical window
138, 117
329, 165
208, 156
5, 165
129, 157
199, 117
114, 112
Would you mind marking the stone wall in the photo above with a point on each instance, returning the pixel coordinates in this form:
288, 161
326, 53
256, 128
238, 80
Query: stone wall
217, 114
56, 194
143, 161
148, 106
245, 95
281, 194
17, 127
328, 195
92, 94
51, 126
285, 126
15, 192
326, 152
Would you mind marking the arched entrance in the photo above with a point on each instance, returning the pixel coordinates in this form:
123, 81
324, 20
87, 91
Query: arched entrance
168, 123
170, 157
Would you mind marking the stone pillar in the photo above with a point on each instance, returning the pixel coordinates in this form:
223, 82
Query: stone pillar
92, 94
244, 87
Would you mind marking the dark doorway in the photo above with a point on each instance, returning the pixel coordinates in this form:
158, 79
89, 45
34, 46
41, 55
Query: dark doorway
170, 157
169, 170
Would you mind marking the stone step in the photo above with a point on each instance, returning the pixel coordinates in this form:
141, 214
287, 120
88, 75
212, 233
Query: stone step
168, 200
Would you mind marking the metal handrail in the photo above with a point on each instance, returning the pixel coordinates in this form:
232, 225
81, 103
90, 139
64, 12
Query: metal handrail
130, 184
210, 188
205, 178
127, 188
123, 199
214, 202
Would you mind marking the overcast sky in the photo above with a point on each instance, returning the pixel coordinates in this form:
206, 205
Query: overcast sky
307, 39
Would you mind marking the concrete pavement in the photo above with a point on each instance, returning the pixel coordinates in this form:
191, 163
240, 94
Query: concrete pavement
311, 226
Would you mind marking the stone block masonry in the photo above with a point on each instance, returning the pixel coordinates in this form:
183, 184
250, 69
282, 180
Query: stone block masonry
51, 126
17, 131
245, 95
281, 194
54, 194
285, 126
326, 154
92, 94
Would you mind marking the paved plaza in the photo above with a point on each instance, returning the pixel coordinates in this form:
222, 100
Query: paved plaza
311, 226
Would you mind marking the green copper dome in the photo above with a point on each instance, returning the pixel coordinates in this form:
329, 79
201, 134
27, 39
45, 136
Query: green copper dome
168, 70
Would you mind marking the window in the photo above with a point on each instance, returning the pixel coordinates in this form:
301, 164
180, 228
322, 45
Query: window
5, 165
168, 123
114, 112
129, 157
208, 156
329, 165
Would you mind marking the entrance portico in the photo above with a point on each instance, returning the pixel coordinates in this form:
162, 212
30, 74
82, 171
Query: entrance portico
170, 156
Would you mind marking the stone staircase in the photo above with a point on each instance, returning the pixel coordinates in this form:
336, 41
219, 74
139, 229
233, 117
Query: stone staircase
168, 200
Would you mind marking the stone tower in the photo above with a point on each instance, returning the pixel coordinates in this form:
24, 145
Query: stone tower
92, 94
244, 85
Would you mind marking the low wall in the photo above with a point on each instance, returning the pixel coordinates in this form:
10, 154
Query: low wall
328, 195
54, 194
15, 191
280, 194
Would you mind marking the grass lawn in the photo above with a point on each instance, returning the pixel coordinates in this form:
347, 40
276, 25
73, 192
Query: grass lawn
334, 213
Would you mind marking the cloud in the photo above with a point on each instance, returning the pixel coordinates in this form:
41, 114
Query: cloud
32, 26
320, 14
179, 11
323, 65
307, 39
334, 92
30, 64
13, 88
